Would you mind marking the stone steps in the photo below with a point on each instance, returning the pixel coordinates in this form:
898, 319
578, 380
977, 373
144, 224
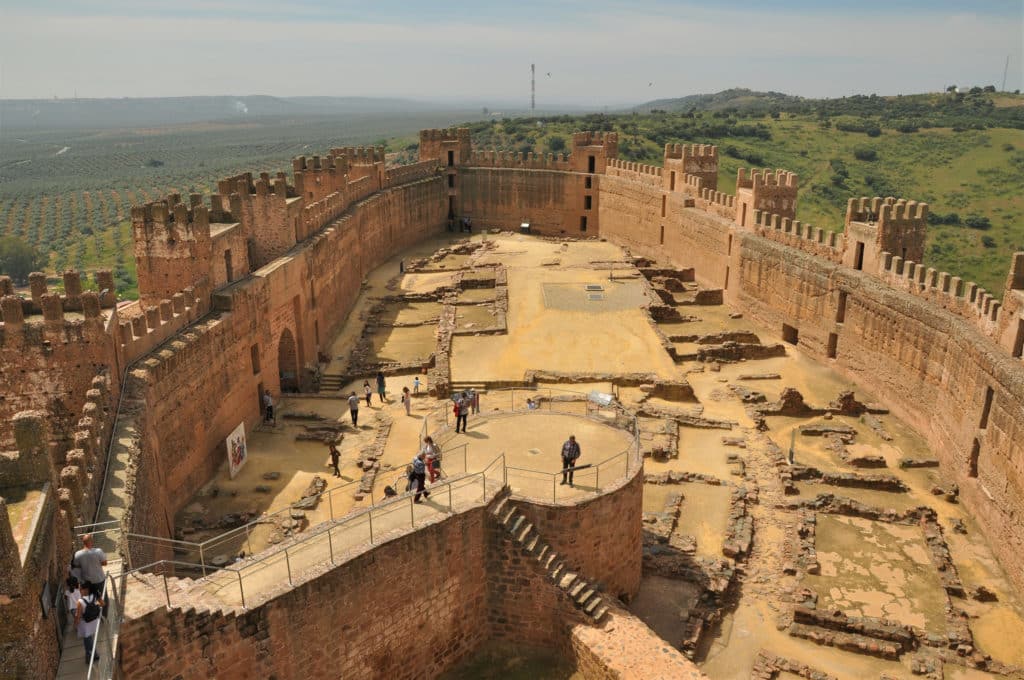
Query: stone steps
584, 595
331, 382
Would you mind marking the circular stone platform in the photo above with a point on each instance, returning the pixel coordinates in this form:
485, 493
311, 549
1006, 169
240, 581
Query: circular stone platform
532, 444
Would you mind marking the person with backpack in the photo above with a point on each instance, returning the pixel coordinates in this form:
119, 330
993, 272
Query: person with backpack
419, 475
87, 619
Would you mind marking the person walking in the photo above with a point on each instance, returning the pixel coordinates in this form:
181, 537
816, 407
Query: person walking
335, 457
433, 458
90, 562
407, 400
419, 475
367, 391
353, 408
416, 385
474, 399
87, 619
381, 386
268, 408
570, 454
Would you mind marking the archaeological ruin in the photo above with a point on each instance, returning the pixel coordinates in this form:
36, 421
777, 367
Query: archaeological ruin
800, 446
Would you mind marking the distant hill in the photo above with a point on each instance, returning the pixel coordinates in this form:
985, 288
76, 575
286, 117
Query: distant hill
737, 98
51, 114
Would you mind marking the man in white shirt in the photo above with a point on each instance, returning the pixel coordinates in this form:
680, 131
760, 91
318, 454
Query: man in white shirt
90, 562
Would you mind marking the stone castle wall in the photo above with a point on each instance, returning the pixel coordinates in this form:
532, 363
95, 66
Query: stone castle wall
410, 608
551, 201
923, 345
930, 367
206, 378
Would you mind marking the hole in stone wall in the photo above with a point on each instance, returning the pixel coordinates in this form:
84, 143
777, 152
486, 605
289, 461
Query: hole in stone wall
858, 258
833, 341
254, 353
841, 310
1018, 343
790, 334
987, 408
975, 453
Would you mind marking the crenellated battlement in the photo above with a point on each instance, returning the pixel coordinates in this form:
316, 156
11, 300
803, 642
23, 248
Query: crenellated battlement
640, 172
515, 159
445, 135
588, 138
80, 471
699, 152
751, 179
819, 242
449, 147
145, 326
890, 209
772, 191
963, 298
402, 174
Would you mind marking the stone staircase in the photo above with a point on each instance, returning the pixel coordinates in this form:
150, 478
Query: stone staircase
584, 595
331, 382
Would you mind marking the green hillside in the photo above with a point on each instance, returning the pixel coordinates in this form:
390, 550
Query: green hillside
962, 154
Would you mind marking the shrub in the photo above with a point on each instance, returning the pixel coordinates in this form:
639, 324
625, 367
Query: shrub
865, 154
988, 241
977, 222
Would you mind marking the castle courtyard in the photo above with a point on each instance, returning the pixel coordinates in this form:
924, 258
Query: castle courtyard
799, 447
846, 526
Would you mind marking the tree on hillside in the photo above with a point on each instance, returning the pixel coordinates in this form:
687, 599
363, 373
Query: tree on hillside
18, 259
556, 143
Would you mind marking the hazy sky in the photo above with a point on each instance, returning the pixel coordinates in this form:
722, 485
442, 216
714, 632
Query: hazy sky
597, 51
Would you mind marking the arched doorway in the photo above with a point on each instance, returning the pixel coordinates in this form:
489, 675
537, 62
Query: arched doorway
287, 364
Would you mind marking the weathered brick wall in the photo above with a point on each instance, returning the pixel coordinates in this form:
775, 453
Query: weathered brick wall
49, 367
551, 201
930, 367
601, 537
523, 606
631, 215
204, 378
408, 609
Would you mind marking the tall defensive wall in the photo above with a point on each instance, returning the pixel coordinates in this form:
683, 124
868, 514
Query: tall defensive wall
942, 353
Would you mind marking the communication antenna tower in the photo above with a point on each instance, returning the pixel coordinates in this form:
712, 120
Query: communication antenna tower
533, 87
1005, 69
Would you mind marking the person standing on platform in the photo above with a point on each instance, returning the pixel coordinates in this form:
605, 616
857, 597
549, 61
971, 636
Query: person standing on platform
407, 400
381, 386
416, 385
367, 391
570, 454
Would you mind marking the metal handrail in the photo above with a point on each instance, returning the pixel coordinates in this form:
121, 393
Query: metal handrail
260, 562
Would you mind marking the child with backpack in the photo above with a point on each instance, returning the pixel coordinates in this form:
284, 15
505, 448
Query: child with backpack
87, 619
